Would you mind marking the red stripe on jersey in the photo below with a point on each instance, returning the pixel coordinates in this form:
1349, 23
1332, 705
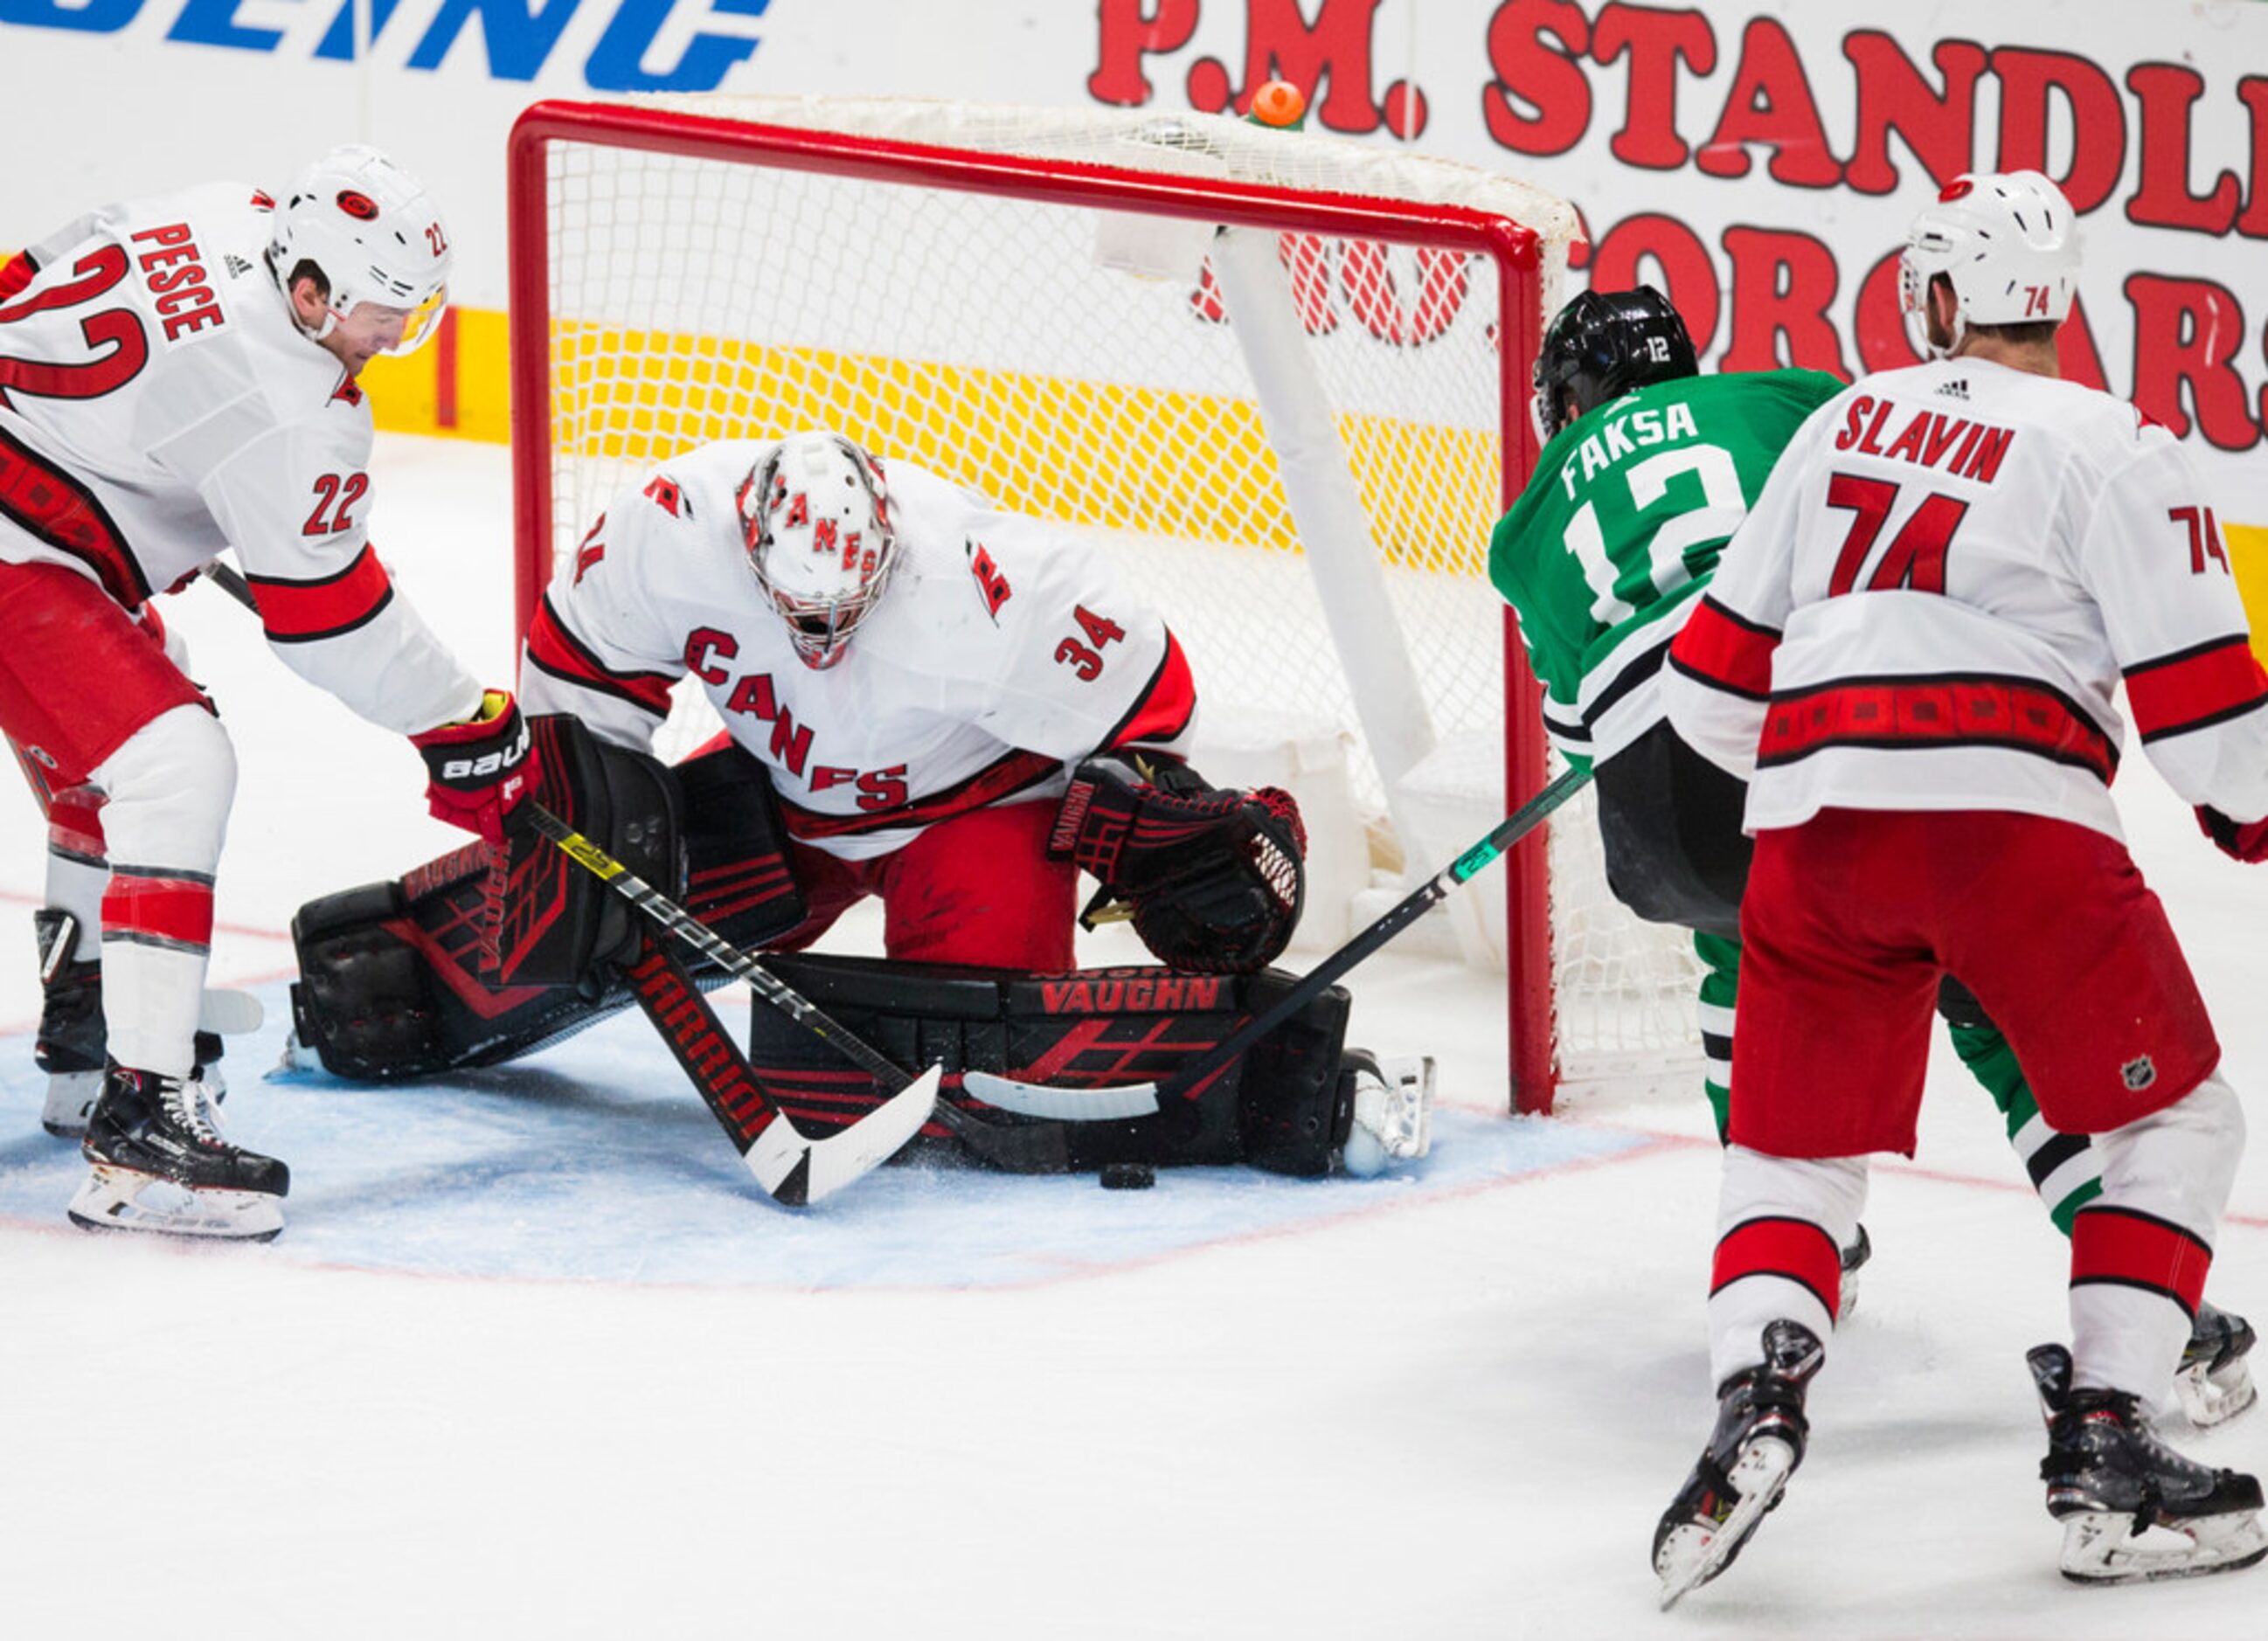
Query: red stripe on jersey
1003, 778
64, 513
1796, 1250
2138, 1250
1936, 712
1718, 647
2195, 688
559, 653
299, 611
17, 273
1166, 702
157, 910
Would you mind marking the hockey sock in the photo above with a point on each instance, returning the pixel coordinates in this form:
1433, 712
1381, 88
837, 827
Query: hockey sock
1721, 959
2140, 1253
1782, 1224
2063, 1167
76, 870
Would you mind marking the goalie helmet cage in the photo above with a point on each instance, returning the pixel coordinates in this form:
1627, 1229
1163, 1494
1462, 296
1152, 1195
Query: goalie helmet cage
1221, 349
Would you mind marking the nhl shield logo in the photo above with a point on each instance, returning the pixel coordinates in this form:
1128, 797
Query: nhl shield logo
2137, 1073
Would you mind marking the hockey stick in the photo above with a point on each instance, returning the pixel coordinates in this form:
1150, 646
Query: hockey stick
1137, 1099
1038, 1149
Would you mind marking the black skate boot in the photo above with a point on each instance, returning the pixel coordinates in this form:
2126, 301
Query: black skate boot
1742, 1474
72, 1045
2214, 1382
2110, 1481
160, 1164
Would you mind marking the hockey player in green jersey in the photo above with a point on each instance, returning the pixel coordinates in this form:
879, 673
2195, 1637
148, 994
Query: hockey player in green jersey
1649, 468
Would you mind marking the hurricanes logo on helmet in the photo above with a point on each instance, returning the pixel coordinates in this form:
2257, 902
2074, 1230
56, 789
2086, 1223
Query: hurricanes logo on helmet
358, 206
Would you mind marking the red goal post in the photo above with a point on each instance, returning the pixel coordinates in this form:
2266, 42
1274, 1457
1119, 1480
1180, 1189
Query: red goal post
689, 268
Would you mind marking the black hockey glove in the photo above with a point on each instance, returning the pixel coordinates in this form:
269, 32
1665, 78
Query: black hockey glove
1214, 879
2240, 840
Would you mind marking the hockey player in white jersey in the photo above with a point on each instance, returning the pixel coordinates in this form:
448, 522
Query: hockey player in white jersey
1910, 651
177, 380
918, 672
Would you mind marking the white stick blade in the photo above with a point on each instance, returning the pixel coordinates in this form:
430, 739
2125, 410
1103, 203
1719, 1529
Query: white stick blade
875, 1138
230, 1013
1066, 1105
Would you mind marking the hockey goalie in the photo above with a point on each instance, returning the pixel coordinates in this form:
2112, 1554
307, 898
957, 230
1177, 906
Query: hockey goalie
926, 701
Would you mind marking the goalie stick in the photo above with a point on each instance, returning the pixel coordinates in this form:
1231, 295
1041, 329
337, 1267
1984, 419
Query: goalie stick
791, 1167
1138, 1099
1024, 1149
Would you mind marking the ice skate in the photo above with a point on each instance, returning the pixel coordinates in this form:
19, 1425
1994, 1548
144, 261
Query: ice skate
160, 1164
71, 1044
2214, 1382
1740, 1474
1392, 1111
2127, 1501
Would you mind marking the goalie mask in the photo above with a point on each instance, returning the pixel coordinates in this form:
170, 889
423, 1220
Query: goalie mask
1605, 344
817, 516
2009, 244
376, 236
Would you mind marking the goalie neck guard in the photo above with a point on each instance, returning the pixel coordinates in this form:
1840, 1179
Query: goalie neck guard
820, 538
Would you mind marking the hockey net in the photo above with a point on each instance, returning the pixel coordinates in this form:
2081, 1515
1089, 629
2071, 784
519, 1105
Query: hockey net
1281, 376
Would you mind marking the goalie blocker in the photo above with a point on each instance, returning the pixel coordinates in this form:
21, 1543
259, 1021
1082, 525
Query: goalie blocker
460, 965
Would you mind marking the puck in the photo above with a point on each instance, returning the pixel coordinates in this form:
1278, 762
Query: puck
1128, 1176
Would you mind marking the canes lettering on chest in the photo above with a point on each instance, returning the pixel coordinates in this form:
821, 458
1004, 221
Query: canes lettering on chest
789, 748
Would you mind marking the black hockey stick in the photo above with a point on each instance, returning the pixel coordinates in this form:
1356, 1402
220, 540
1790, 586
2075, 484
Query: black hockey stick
1033, 1149
1136, 1100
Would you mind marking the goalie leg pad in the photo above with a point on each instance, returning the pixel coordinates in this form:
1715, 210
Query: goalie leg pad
1670, 822
395, 979
1282, 1106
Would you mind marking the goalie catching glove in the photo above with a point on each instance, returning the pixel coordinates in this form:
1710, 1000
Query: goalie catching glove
478, 770
1214, 879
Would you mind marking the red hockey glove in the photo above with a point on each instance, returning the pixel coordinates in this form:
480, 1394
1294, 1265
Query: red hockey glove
480, 770
2241, 840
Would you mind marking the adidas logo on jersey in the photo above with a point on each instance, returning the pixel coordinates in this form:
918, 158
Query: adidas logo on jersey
1958, 388
238, 268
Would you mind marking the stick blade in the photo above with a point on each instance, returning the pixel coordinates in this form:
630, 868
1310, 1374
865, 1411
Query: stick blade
795, 1169
1065, 1104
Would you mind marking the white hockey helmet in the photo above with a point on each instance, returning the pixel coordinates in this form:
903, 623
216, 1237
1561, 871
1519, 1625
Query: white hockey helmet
2008, 241
376, 235
816, 511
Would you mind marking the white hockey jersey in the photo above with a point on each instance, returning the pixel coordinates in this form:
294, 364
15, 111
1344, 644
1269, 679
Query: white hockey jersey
158, 407
999, 655
1947, 576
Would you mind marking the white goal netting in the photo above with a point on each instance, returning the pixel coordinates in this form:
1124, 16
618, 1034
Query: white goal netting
1077, 359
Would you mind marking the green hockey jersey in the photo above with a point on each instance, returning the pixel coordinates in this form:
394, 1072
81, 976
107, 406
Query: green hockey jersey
1622, 524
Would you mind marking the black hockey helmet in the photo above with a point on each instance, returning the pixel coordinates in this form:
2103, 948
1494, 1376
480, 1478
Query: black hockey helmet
1603, 344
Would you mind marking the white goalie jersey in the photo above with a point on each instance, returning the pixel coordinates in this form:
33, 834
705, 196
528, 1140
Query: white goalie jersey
999, 655
1949, 573
158, 407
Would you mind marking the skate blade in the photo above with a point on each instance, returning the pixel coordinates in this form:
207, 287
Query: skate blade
121, 1199
2099, 1547
2211, 1398
1695, 1551
71, 1102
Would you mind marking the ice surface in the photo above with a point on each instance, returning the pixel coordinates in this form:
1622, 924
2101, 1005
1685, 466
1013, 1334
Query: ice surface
534, 1358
